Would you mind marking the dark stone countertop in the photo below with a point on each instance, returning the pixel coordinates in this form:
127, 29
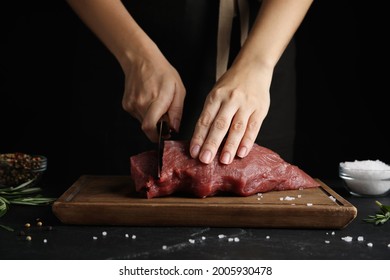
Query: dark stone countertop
67, 242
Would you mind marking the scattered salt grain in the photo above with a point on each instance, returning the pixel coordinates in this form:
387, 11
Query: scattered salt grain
289, 198
332, 198
267, 237
127, 235
281, 198
309, 204
369, 244
203, 238
388, 245
259, 194
94, 238
327, 233
133, 236
333, 233
164, 247
258, 198
48, 228
236, 239
44, 240
220, 236
327, 241
299, 195
230, 239
192, 241
104, 233
347, 238
360, 238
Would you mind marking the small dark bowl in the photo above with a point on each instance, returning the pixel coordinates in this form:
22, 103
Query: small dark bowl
20, 168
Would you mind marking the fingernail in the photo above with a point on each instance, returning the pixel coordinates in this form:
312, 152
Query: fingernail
195, 151
242, 152
205, 156
225, 159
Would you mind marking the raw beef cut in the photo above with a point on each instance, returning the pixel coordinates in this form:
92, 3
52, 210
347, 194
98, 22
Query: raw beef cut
261, 171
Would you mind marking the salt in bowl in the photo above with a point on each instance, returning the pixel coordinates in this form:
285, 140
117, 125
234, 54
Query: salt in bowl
370, 178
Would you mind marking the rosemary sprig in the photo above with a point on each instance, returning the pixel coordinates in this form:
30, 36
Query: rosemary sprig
6, 228
3, 206
381, 216
24, 194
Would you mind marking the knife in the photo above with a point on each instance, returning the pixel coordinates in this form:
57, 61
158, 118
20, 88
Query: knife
164, 132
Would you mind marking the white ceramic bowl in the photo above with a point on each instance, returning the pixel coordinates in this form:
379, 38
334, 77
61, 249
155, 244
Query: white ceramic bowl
365, 182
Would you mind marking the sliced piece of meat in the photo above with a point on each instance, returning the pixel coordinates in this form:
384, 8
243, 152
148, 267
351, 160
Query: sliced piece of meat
261, 171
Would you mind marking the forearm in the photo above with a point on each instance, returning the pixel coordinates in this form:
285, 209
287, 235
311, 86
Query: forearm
275, 25
115, 27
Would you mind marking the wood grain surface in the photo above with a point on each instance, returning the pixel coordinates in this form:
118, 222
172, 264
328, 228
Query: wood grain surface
112, 200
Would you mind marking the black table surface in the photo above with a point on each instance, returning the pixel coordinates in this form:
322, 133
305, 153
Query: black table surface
75, 242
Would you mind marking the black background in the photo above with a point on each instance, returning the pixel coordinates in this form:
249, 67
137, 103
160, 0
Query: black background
341, 108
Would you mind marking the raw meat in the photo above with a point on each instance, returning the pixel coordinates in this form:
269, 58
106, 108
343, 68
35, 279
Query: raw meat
261, 171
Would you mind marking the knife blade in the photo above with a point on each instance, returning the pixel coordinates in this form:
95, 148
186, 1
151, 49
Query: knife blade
164, 132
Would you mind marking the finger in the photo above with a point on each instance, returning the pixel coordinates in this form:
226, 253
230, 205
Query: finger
252, 130
149, 122
128, 106
157, 109
203, 125
235, 135
217, 132
175, 110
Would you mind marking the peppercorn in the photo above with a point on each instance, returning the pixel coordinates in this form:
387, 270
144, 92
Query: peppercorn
18, 168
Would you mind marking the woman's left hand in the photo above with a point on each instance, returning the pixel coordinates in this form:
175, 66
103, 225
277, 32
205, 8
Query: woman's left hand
234, 109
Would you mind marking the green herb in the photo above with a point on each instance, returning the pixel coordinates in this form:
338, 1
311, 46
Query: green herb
6, 228
381, 216
23, 194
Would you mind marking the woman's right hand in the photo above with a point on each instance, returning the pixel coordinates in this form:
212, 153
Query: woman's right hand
153, 88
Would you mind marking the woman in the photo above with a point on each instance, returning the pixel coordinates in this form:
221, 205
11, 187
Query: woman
211, 68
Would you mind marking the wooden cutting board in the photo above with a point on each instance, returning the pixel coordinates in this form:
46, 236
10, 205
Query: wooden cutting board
112, 200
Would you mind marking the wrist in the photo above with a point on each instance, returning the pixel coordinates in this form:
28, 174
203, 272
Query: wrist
135, 49
253, 67
254, 61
